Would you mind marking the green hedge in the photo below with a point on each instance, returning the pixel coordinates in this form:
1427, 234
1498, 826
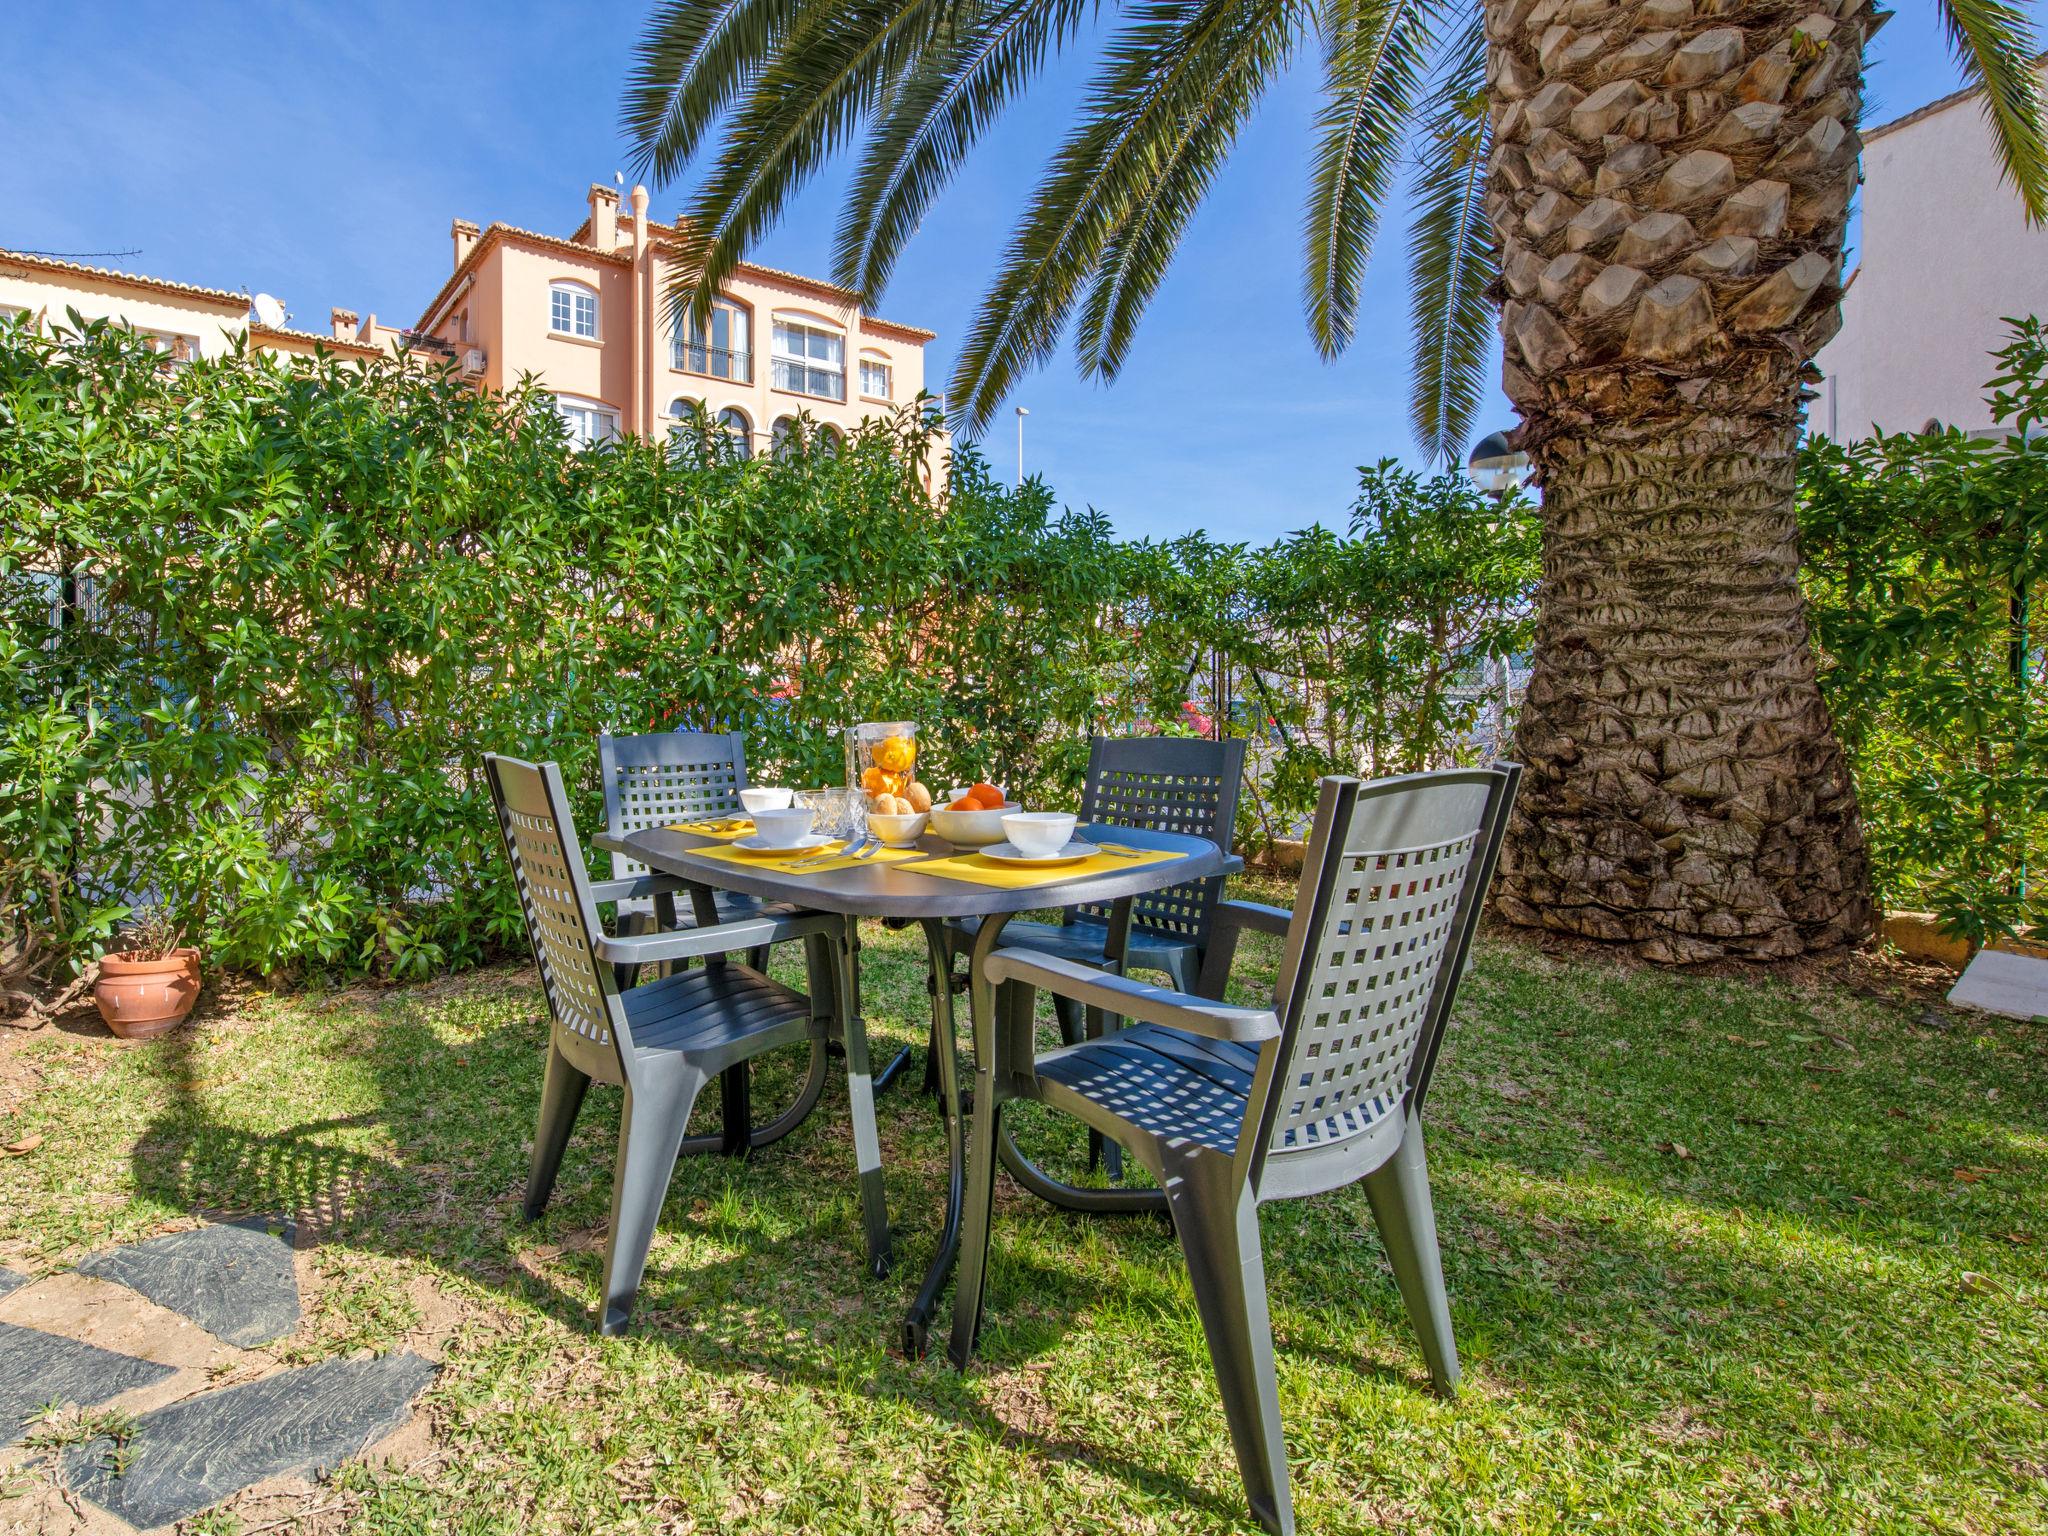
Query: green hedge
264, 617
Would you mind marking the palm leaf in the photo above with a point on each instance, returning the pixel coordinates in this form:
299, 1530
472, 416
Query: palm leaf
1255, 47
1452, 253
1996, 48
696, 58
1375, 58
1157, 72
985, 59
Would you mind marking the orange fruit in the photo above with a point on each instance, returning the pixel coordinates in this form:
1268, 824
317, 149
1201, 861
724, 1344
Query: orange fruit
988, 795
874, 781
966, 803
894, 754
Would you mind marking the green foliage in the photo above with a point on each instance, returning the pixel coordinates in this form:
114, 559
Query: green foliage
264, 618
1925, 556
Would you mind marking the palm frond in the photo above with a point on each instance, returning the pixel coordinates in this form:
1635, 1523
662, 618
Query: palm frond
986, 58
1453, 255
696, 58
1156, 73
1996, 47
1375, 58
1253, 44
838, 64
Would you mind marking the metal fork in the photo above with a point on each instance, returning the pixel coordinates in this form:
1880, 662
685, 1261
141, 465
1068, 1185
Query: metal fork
1114, 850
857, 851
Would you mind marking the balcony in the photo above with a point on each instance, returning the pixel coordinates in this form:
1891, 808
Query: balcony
798, 379
712, 362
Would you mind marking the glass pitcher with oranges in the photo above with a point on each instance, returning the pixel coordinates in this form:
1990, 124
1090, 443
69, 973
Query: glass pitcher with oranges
881, 760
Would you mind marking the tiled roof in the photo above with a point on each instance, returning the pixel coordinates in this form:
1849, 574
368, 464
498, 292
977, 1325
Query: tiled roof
331, 343
130, 279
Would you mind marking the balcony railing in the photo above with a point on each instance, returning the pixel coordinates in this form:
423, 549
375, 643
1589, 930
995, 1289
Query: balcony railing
712, 362
818, 383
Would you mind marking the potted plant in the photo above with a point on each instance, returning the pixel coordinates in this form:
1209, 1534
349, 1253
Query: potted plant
150, 983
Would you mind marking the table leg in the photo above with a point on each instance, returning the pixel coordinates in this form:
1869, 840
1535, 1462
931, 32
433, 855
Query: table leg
944, 1058
860, 1094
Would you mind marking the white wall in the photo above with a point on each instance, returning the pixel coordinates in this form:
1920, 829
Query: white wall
1945, 254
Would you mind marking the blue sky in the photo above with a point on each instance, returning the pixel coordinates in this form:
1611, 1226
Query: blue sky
319, 152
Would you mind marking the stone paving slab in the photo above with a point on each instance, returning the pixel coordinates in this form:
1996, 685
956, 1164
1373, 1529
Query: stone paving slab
9, 1280
192, 1454
234, 1279
38, 1368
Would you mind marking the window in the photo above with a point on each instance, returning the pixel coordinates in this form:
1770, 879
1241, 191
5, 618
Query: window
572, 310
719, 349
685, 422
810, 361
739, 431
784, 437
175, 350
588, 422
875, 382
830, 438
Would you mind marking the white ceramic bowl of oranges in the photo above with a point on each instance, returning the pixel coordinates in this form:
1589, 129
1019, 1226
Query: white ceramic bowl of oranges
973, 817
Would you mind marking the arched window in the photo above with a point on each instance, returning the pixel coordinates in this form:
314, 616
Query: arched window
572, 309
739, 431
877, 378
685, 421
830, 438
589, 421
809, 358
719, 349
785, 437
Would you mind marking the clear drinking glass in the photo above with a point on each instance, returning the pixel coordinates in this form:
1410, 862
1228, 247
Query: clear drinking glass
839, 813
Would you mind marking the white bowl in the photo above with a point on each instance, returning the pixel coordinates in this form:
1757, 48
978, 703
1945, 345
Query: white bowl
758, 800
1039, 834
898, 831
783, 828
971, 829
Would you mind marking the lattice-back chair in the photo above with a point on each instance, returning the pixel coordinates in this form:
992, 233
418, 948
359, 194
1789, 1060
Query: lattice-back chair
1159, 784
1227, 1106
666, 777
661, 1041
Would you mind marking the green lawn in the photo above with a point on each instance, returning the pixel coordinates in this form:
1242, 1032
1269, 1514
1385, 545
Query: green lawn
1724, 1254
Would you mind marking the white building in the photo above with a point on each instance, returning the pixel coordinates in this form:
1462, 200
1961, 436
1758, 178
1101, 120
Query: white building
1945, 255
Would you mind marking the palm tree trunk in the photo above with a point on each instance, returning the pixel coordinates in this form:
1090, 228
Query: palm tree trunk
1670, 183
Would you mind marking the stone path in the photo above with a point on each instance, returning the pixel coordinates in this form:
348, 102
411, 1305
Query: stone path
148, 1327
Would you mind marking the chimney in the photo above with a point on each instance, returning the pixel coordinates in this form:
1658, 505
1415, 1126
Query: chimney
604, 216
639, 219
343, 323
464, 234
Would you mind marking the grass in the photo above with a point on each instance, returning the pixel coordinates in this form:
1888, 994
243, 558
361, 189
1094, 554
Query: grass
1725, 1254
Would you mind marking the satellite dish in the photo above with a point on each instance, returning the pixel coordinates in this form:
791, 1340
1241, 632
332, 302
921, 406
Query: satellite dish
266, 310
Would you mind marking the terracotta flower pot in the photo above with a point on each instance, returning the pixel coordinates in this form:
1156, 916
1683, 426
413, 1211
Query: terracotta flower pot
141, 999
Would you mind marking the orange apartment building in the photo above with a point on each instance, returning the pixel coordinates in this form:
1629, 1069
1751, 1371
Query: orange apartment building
589, 318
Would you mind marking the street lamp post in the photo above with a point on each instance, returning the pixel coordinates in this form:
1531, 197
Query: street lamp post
1021, 414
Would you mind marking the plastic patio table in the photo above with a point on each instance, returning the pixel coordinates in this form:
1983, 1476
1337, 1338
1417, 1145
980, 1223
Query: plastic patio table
897, 893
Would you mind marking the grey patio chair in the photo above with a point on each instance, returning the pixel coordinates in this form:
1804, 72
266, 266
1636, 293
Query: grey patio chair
662, 1041
662, 777
1229, 1106
1161, 784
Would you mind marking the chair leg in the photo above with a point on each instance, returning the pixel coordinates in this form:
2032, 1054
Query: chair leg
561, 1096
860, 1100
650, 1138
1219, 1234
976, 1217
1068, 1012
1399, 1193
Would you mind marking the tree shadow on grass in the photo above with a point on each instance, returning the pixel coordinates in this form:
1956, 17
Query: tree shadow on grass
434, 1172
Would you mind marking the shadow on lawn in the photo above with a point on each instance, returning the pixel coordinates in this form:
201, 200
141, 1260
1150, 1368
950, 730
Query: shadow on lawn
1557, 1269
452, 1202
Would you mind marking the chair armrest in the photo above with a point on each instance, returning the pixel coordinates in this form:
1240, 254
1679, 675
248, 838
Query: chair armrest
1255, 915
716, 939
1130, 998
632, 887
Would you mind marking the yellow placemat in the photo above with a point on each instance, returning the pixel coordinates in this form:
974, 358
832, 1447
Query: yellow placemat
723, 827
783, 864
981, 870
